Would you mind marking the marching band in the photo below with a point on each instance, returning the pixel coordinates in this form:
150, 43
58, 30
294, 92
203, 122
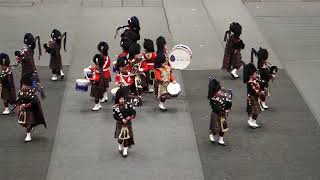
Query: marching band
136, 72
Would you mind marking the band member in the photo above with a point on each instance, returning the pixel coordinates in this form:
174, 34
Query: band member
99, 84
124, 78
103, 47
132, 32
29, 109
7, 89
53, 47
236, 61
231, 36
25, 56
123, 113
125, 53
135, 60
253, 94
266, 73
163, 73
147, 65
218, 123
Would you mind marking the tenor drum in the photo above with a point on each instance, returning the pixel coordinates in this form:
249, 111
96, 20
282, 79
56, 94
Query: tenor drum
114, 91
180, 56
82, 85
174, 89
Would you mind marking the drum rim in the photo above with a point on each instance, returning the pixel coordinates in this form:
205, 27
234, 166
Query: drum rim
173, 84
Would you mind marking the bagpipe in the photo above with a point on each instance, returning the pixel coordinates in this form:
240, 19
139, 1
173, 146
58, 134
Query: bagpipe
225, 98
122, 28
35, 89
22, 52
50, 43
265, 71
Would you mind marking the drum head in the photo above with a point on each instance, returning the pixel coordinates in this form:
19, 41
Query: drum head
82, 81
180, 56
114, 90
174, 89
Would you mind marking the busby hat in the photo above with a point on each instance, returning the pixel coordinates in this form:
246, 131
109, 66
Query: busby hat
134, 50
236, 28
103, 47
213, 87
29, 40
148, 45
27, 79
4, 59
160, 59
161, 42
122, 92
134, 23
248, 70
98, 60
56, 34
122, 62
262, 54
238, 45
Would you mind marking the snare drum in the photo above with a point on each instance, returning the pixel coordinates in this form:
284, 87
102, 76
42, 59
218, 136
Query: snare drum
82, 85
87, 73
174, 89
180, 56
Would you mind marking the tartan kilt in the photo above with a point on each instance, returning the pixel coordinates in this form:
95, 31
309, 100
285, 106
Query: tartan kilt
119, 125
9, 95
216, 124
253, 106
56, 62
236, 61
98, 88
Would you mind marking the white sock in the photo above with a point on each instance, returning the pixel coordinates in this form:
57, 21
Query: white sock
125, 151
221, 140
211, 136
120, 147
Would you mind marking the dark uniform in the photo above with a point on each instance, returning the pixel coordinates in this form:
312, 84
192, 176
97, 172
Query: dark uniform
29, 109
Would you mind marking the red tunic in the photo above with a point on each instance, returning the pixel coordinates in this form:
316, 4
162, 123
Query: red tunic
106, 67
95, 75
126, 79
148, 64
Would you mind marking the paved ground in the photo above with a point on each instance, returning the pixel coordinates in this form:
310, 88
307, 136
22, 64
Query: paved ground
286, 147
174, 145
21, 161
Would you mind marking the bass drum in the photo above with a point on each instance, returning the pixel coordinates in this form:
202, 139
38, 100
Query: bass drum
180, 56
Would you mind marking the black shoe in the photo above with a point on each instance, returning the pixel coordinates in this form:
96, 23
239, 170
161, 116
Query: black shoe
163, 110
120, 151
61, 77
124, 156
212, 142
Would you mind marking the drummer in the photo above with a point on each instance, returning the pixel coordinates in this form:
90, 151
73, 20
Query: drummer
98, 81
163, 73
103, 48
147, 65
124, 77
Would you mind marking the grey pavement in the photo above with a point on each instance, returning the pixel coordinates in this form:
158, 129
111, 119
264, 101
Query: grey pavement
172, 145
286, 147
293, 30
19, 160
